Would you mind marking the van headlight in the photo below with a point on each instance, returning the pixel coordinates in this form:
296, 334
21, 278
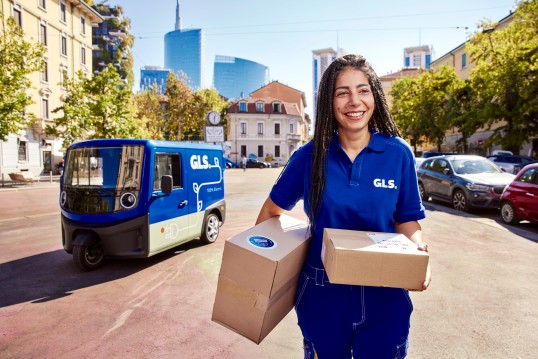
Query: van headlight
128, 200
63, 198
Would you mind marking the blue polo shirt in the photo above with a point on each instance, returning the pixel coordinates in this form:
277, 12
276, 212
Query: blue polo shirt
371, 193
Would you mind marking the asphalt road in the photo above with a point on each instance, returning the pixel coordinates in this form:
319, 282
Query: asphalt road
482, 302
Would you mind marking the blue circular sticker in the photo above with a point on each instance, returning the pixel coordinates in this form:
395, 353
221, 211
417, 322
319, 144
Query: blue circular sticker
261, 242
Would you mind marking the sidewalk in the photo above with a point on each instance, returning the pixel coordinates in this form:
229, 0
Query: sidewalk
39, 182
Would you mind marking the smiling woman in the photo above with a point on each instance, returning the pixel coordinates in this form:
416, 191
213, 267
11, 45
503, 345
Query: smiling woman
356, 174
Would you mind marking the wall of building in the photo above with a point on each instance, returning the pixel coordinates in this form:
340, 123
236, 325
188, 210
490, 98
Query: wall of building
67, 40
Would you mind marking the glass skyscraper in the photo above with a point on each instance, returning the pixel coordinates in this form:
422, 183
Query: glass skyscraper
183, 52
153, 75
234, 77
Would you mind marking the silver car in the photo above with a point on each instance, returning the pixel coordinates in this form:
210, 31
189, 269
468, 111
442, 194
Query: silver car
465, 181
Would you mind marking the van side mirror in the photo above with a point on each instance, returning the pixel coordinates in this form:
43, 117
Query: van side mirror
166, 184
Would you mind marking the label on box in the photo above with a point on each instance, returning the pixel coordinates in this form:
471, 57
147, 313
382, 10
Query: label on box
261, 242
391, 241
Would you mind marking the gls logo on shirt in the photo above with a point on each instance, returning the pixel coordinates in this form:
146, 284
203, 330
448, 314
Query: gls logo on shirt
381, 183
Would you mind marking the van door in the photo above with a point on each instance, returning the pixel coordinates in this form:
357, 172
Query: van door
168, 213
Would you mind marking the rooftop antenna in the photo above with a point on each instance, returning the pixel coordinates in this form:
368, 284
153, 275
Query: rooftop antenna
178, 18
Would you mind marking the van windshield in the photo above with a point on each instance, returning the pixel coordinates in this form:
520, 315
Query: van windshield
102, 179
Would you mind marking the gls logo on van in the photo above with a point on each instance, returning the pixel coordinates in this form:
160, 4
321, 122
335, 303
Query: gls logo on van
380, 183
198, 163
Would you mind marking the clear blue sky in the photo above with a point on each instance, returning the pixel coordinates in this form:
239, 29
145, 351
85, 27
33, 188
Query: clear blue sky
281, 34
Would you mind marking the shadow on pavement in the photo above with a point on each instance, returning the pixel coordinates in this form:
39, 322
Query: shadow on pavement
48, 276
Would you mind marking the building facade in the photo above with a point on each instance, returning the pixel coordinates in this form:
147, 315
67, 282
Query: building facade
417, 57
234, 77
65, 28
270, 125
321, 59
153, 76
458, 59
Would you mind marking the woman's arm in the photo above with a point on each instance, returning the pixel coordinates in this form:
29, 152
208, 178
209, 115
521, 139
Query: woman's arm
268, 210
413, 231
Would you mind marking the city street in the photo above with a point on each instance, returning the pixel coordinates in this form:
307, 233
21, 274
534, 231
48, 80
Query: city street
482, 302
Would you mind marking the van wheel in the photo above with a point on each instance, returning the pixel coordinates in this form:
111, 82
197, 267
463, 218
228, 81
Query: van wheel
508, 213
89, 257
211, 229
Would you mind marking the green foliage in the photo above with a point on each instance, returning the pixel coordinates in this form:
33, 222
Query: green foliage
18, 59
97, 107
178, 107
505, 77
149, 111
420, 104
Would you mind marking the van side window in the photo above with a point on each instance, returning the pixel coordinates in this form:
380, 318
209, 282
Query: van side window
167, 164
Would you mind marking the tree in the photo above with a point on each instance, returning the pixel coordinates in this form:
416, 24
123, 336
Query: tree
18, 59
149, 110
420, 104
178, 105
98, 107
505, 77
205, 101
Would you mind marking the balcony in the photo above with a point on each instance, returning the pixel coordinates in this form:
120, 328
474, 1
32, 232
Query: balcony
293, 137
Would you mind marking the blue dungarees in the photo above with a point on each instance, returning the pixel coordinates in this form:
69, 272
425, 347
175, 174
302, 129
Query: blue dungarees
371, 193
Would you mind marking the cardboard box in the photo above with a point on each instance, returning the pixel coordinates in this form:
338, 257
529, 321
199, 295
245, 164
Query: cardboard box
373, 259
258, 276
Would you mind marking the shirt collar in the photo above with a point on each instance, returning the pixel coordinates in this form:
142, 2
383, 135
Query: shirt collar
377, 142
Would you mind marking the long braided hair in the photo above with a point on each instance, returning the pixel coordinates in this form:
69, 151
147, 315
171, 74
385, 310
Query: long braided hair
326, 125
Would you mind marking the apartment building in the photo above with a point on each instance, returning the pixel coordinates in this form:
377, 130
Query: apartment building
270, 125
65, 28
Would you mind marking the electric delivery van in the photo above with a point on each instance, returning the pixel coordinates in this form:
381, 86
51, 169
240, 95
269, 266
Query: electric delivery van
135, 198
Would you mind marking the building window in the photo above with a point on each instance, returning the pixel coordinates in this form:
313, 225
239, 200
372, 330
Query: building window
260, 128
417, 60
243, 128
64, 44
243, 151
63, 12
83, 25
260, 151
242, 107
292, 128
42, 4
45, 72
43, 33
277, 128
82, 54
259, 106
277, 151
276, 107
45, 112
23, 153
17, 14
463, 60
63, 75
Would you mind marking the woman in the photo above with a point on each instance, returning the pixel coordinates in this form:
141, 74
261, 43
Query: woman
355, 146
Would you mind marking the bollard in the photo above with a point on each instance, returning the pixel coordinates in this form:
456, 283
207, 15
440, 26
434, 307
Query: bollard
50, 174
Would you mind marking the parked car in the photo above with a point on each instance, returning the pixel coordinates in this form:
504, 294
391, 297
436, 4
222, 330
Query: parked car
502, 153
519, 201
511, 164
230, 164
429, 154
466, 181
418, 161
254, 163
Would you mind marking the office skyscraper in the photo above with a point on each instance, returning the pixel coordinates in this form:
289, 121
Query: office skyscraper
183, 51
234, 77
153, 75
321, 59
